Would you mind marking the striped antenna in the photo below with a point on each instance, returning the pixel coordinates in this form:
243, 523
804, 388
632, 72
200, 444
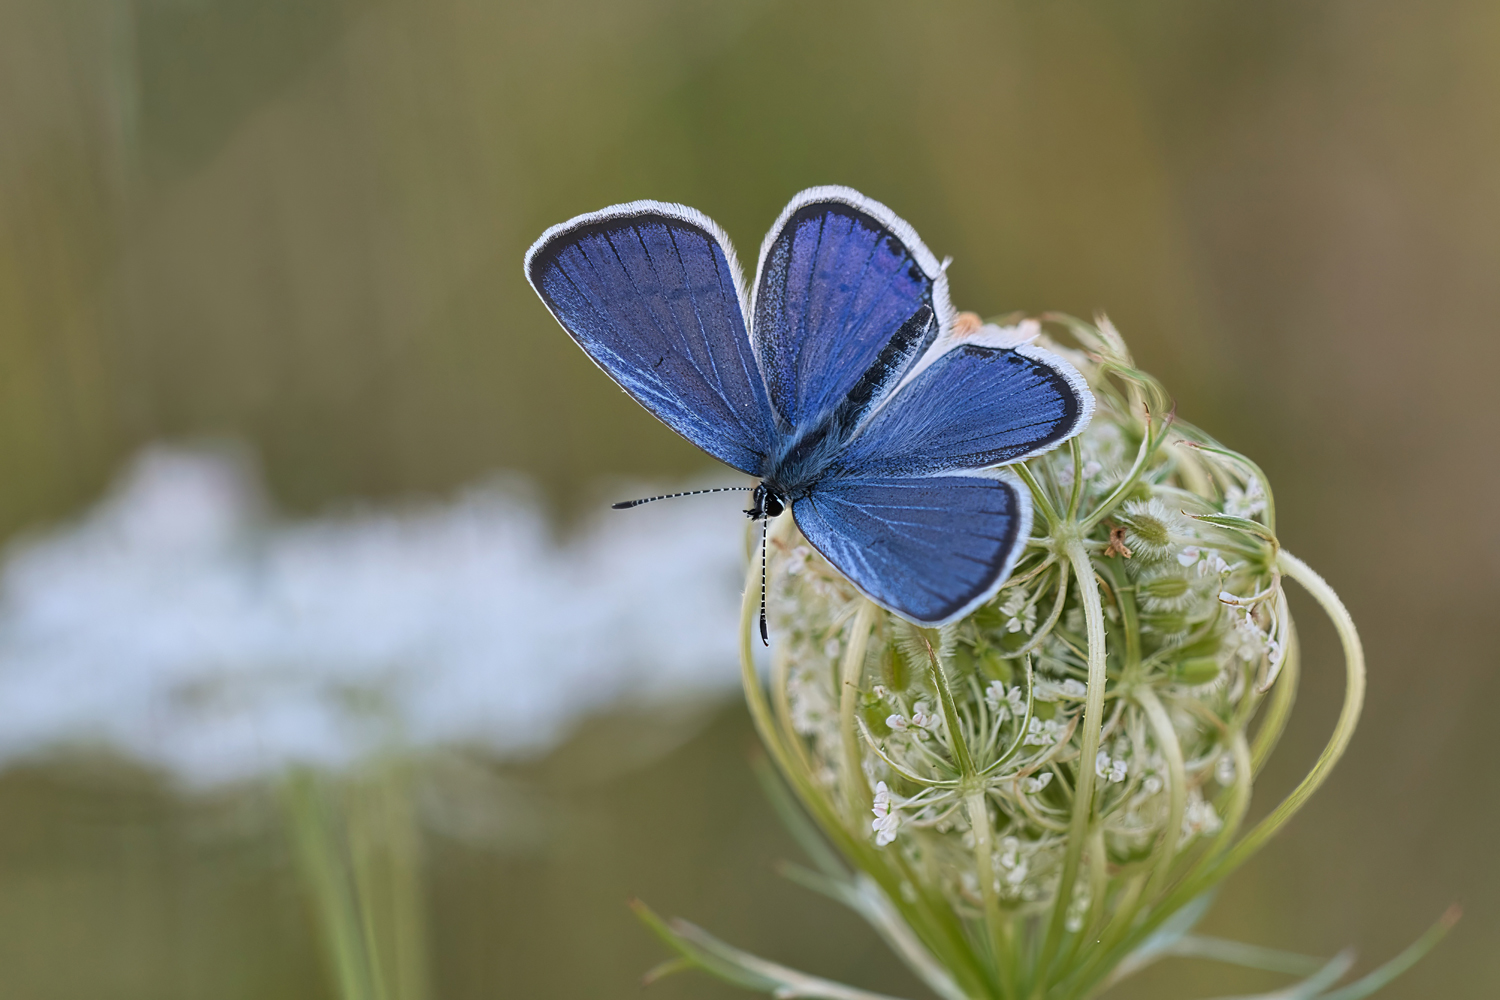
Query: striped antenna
765, 637
626, 504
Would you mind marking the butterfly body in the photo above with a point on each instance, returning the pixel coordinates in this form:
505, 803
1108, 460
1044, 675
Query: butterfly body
849, 394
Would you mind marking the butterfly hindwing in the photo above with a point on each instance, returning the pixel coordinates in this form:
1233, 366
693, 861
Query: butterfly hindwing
839, 275
931, 548
652, 293
971, 407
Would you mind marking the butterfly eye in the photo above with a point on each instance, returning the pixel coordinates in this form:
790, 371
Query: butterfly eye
774, 506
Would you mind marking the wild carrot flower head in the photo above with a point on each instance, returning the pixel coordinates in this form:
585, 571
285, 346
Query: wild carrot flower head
995, 749
1036, 799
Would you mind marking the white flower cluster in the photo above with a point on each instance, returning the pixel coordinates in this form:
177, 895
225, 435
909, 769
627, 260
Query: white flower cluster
181, 625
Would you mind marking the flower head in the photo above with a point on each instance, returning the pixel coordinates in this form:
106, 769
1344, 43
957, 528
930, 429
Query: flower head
1111, 686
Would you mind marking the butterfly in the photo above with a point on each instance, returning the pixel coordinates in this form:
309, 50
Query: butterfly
842, 382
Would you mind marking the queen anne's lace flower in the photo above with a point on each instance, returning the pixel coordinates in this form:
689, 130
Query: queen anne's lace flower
1246, 501
1199, 818
1018, 666
1020, 616
922, 716
1111, 686
1006, 702
1042, 732
887, 818
1110, 769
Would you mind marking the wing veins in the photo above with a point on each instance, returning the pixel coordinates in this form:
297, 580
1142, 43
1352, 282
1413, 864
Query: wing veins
652, 388
648, 388
681, 335
758, 377
799, 382
865, 271
687, 282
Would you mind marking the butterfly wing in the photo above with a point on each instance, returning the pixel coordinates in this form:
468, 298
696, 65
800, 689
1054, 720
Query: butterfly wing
971, 406
839, 276
652, 293
931, 549
907, 511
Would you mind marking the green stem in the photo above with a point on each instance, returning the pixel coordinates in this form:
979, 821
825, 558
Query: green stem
984, 860
1283, 697
1121, 921
385, 855
1147, 449
1076, 452
1083, 792
320, 849
1042, 634
1038, 494
1166, 739
856, 786
952, 723
1238, 798
755, 695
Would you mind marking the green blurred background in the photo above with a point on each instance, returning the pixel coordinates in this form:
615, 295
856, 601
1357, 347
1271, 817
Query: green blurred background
299, 223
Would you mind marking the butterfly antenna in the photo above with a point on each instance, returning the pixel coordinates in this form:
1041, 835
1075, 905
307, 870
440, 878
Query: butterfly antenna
765, 637
626, 504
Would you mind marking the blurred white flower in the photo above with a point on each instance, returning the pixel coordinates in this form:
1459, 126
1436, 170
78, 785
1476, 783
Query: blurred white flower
1113, 770
177, 624
1247, 502
1224, 770
1036, 784
1199, 817
887, 820
1043, 732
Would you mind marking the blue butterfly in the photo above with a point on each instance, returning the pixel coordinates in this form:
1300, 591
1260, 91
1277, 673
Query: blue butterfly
852, 396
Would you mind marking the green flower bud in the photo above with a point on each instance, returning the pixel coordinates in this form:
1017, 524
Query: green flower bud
1198, 670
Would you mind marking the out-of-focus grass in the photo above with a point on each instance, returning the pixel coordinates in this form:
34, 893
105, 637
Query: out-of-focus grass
528, 869
300, 222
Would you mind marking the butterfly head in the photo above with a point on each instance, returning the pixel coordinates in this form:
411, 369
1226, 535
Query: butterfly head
765, 503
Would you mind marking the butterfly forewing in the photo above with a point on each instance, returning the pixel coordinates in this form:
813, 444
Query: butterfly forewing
839, 275
649, 292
